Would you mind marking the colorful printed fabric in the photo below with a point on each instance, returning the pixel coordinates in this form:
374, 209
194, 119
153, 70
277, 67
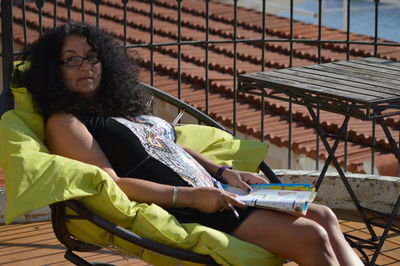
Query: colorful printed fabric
154, 134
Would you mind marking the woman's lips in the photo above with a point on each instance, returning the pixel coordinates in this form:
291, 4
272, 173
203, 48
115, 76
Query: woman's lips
85, 79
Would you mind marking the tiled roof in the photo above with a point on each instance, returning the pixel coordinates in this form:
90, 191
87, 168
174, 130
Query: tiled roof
221, 65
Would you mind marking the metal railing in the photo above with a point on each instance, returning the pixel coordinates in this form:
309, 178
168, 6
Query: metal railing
224, 31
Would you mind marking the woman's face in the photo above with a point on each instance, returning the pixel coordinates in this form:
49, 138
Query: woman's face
83, 76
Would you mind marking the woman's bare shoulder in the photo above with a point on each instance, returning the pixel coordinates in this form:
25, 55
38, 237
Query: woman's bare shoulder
63, 125
67, 136
60, 118
59, 122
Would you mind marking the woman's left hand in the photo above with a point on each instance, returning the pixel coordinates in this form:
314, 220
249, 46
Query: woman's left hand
242, 179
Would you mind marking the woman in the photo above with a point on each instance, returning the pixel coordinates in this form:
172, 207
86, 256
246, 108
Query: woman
86, 89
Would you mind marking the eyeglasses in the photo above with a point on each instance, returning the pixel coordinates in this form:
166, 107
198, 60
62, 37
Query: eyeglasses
75, 61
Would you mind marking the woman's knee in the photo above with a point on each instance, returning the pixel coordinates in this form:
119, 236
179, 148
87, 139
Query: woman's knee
324, 215
315, 235
316, 246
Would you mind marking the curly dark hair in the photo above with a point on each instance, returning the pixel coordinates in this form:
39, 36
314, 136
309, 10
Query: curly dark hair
119, 93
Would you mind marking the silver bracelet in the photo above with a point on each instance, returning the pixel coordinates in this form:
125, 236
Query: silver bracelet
174, 196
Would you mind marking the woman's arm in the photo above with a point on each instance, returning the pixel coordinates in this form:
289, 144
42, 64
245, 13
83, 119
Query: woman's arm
65, 135
236, 178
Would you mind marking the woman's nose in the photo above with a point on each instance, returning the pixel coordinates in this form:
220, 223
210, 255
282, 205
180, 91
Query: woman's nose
85, 64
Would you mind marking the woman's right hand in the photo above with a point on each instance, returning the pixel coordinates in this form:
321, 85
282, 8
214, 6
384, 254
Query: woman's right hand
210, 200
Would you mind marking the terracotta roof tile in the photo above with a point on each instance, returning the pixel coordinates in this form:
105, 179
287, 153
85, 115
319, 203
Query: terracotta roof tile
221, 64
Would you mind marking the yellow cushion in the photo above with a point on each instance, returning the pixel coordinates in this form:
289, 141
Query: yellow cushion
221, 147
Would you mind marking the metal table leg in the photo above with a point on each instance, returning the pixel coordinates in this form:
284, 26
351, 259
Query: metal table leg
332, 158
393, 215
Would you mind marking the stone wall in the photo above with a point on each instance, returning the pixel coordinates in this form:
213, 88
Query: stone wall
376, 192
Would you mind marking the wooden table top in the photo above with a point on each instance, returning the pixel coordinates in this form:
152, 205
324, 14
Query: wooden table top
360, 88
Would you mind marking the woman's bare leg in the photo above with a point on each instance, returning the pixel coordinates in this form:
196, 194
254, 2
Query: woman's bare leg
296, 238
328, 220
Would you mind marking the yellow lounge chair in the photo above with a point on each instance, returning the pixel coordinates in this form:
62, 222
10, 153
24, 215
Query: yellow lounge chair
35, 178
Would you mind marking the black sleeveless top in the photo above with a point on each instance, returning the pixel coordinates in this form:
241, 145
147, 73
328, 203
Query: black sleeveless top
125, 152
146, 149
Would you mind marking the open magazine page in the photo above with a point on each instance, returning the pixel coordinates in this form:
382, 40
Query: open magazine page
283, 197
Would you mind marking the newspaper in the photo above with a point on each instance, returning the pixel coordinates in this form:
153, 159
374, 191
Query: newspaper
282, 197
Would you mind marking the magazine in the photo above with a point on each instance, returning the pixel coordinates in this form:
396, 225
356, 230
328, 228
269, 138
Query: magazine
282, 197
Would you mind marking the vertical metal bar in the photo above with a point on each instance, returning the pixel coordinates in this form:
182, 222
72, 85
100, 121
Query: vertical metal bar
7, 48
290, 134
398, 161
83, 10
68, 4
317, 140
291, 34
152, 42
235, 17
125, 11
346, 136
373, 147
39, 5
290, 98
347, 58
179, 48
263, 68
55, 14
97, 3
207, 85
319, 30
319, 38
264, 29
376, 27
24, 23
348, 30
